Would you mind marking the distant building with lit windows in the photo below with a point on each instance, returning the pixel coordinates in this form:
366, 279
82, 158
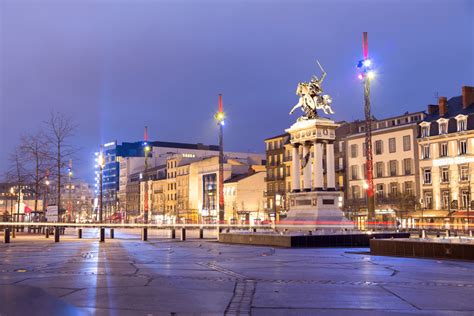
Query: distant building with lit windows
114, 165
446, 146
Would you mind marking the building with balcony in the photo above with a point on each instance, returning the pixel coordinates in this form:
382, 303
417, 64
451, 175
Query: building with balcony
446, 146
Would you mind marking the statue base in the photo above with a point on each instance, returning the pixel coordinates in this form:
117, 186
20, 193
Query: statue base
320, 208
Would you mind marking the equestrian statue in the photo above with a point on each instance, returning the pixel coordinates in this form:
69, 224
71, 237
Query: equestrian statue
312, 97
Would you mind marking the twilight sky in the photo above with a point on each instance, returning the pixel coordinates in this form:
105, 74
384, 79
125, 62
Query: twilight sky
119, 65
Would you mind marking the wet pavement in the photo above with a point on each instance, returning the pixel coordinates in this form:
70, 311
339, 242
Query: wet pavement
126, 276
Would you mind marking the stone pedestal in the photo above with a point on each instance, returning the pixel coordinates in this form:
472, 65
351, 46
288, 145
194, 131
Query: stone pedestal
317, 201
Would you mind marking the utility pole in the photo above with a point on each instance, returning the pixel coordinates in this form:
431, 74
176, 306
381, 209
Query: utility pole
220, 117
367, 75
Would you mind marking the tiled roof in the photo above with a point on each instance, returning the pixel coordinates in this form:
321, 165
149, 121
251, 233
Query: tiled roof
454, 108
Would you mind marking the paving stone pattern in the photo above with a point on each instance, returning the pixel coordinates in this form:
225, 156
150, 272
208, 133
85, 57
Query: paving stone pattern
126, 276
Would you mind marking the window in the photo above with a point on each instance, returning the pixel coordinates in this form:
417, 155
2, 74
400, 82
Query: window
355, 192
394, 188
428, 200
391, 145
341, 163
425, 151
354, 173
443, 149
427, 176
445, 199
425, 131
379, 190
287, 171
464, 199
461, 123
393, 168
464, 173
443, 127
445, 174
379, 169
353, 150
462, 147
378, 147
409, 188
407, 166
364, 149
406, 143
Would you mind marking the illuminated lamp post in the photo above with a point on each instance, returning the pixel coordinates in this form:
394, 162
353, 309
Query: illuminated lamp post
146, 150
220, 120
100, 163
366, 74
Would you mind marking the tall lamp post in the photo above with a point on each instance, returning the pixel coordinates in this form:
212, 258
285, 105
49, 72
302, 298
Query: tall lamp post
100, 163
366, 75
220, 119
147, 149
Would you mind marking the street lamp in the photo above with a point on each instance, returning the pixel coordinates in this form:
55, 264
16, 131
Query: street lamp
220, 120
100, 164
366, 74
146, 150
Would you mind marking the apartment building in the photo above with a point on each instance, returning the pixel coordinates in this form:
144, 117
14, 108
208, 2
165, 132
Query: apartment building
277, 169
243, 198
446, 146
395, 167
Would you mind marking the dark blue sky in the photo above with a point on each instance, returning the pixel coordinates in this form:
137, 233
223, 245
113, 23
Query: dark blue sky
117, 66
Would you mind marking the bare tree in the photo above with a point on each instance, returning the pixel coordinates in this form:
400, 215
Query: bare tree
60, 128
35, 152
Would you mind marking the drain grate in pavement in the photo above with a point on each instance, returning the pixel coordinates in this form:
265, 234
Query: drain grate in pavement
241, 301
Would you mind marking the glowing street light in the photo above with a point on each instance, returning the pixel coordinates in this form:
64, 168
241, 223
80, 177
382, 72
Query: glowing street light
220, 120
101, 164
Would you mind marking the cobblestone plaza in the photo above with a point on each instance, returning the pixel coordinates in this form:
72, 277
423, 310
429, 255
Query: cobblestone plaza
126, 276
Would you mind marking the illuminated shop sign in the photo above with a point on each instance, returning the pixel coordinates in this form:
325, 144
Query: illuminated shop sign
452, 161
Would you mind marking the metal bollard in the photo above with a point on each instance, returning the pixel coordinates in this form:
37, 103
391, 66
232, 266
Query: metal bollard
79, 233
102, 234
173, 233
56, 234
46, 232
13, 233
448, 233
145, 234
183, 234
201, 233
6, 236
112, 233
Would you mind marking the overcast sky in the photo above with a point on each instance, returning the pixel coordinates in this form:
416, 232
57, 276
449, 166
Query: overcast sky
117, 66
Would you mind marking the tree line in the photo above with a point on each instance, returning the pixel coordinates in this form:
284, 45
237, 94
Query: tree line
42, 155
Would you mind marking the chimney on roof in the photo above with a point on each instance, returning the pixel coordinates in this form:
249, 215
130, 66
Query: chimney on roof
432, 108
467, 96
443, 106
